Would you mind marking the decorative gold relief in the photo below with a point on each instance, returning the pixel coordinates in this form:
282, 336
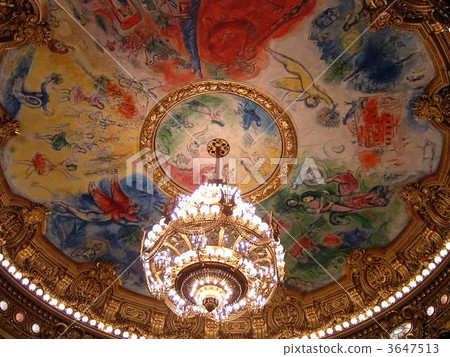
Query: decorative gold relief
178, 327
11, 223
43, 270
434, 107
284, 312
240, 327
87, 288
373, 276
335, 306
425, 246
441, 13
21, 21
35, 215
18, 225
406, 14
431, 203
9, 128
134, 314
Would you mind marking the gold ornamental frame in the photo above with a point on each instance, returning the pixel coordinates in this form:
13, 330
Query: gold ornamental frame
280, 117
291, 313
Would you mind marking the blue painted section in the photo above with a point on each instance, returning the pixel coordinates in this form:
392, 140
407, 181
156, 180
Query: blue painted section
189, 29
20, 73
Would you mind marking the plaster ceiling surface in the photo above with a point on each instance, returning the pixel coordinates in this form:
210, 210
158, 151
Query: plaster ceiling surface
83, 99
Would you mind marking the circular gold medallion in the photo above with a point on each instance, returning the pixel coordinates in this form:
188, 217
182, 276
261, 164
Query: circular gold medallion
251, 130
218, 148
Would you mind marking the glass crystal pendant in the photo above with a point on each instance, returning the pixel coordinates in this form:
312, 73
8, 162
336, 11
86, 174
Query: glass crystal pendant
212, 255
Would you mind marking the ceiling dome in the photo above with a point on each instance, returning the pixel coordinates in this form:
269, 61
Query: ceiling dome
117, 100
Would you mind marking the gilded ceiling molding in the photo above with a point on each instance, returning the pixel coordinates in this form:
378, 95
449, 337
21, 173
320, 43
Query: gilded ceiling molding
21, 22
414, 311
431, 203
284, 312
9, 127
407, 14
374, 276
19, 225
435, 108
49, 324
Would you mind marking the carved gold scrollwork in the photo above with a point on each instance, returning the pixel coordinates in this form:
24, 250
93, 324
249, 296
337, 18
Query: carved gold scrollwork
441, 13
435, 108
21, 21
406, 14
92, 286
373, 276
184, 327
332, 308
240, 327
35, 215
9, 128
43, 270
412, 314
18, 225
284, 312
424, 247
431, 203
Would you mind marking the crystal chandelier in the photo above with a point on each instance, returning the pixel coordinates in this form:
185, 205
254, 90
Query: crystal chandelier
212, 255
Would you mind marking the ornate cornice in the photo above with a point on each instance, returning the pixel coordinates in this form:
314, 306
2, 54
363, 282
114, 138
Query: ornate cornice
414, 311
21, 22
284, 313
435, 107
9, 128
408, 14
431, 203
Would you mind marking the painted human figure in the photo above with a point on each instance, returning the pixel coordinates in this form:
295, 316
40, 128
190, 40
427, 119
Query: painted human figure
42, 166
348, 198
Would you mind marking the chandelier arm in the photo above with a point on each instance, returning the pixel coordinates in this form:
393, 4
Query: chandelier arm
190, 230
246, 233
157, 245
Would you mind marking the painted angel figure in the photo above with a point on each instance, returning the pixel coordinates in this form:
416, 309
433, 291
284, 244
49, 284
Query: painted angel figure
117, 206
301, 86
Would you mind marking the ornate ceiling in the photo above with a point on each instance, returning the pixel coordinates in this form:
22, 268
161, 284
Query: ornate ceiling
92, 83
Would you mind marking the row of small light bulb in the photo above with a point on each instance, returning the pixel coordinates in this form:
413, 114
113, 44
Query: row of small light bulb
279, 253
60, 306
217, 254
252, 219
221, 284
406, 289
222, 297
208, 193
206, 197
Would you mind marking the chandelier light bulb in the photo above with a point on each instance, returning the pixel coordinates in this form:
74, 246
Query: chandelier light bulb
215, 257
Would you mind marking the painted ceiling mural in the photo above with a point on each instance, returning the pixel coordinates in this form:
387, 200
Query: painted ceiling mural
82, 101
